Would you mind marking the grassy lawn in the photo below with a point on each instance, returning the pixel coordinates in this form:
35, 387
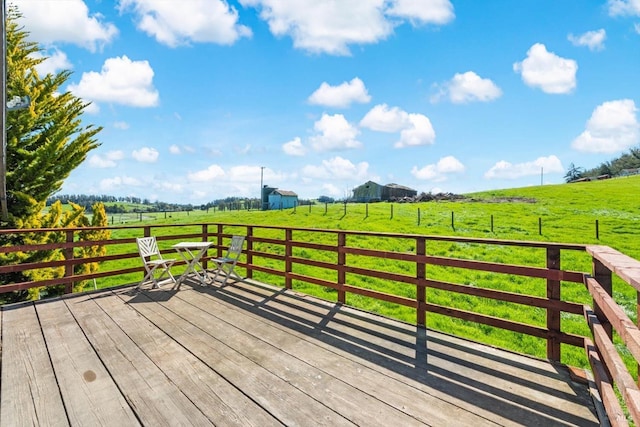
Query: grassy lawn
602, 212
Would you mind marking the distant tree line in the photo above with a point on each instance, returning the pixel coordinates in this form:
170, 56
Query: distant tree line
615, 167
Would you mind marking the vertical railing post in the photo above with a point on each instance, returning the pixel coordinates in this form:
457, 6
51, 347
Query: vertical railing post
421, 290
68, 268
205, 238
288, 265
553, 314
219, 239
249, 240
604, 277
342, 275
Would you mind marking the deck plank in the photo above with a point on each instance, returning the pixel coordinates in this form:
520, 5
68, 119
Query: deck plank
222, 403
353, 404
90, 395
29, 393
471, 376
288, 404
381, 397
155, 399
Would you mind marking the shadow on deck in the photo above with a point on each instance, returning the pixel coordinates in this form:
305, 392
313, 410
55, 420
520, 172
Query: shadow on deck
249, 354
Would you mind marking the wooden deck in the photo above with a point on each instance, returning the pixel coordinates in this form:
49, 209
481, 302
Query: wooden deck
251, 355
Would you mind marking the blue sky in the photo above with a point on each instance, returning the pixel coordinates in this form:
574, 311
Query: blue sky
199, 98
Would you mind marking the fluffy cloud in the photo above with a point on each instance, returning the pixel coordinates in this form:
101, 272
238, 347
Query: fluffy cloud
438, 172
68, 21
547, 71
111, 184
337, 168
613, 127
106, 161
467, 87
624, 7
206, 175
54, 62
594, 40
121, 81
199, 21
146, 155
507, 170
342, 95
174, 149
294, 147
335, 133
330, 27
121, 125
415, 129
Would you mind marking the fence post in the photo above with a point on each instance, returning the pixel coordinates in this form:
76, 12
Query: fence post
597, 230
418, 216
492, 223
325, 207
553, 314
205, 238
604, 277
68, 268
366, 210
391, 211
421, 289
342, 275
249, 241
453, 226
288, 252
540, 226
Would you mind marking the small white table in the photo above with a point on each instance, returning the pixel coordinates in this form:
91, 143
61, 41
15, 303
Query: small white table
192, 253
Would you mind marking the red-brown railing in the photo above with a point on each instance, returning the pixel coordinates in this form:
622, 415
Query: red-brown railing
333, 259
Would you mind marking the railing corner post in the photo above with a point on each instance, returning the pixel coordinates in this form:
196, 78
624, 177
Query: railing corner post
553, 314
342, 275
68, 256
421, 290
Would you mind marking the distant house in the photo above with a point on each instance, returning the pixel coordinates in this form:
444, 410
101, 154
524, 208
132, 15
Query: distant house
373, 192
282, 199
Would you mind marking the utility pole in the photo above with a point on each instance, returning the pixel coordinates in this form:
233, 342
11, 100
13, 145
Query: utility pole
261, 188
3, 117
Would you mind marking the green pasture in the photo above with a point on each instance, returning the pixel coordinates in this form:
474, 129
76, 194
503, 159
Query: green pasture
602, 212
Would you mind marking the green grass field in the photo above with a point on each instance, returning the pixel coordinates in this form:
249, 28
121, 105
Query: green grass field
566, 213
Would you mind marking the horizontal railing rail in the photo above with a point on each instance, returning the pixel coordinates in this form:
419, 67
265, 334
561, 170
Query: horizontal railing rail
348, 263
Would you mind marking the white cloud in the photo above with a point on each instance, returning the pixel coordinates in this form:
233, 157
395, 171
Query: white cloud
547, 70
438, 12
467, 87
146, 155
613, 127
335, 133
121, 125
420, 132
337, 168
342, 95
294, 147
206, 175
331, 26
174, 149
381, 118
438, 172
624, 7
506, 170
106, 161
415, 129
594, 40
199, 21
111, 184
53, 63
121, 81
66, 21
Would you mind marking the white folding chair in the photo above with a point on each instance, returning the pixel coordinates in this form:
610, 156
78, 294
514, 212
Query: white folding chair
226, 264
153, 262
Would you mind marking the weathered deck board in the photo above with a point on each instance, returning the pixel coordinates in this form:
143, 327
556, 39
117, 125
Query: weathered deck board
153, 396
245, 354
30, 395
90, 395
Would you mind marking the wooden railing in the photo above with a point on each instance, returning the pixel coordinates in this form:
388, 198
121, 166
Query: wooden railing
341, 261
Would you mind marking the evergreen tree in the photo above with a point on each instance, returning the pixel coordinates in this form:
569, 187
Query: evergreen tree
44, 144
